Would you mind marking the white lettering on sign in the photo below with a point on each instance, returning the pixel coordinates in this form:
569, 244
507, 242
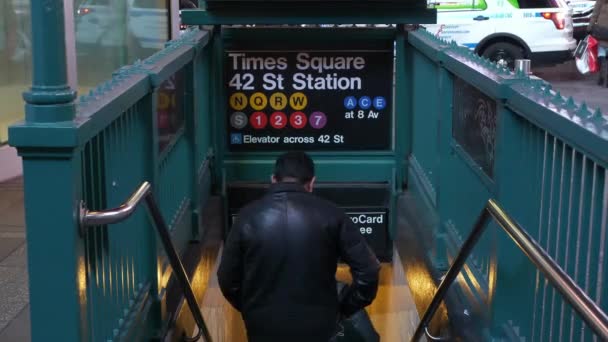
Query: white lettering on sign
300, 82
366, 230
368, 219
298, 140
329, 82
250, 139
323, 65
273, 81
320, 64
244, 82
240, 61
309, 98
268, 139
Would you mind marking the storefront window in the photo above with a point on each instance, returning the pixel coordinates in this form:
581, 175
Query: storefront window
113, 33
170, 108
109, 34
15, 61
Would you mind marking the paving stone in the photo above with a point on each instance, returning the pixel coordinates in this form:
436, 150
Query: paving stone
8, 231
8, 246
16, 259
19, 328
15, 293
12, 208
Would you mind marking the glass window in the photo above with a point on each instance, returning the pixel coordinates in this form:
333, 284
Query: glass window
154, 4
109, 34
538, 4
170, 108
99, 2
474, 120
15, 61
459, 4
113, 33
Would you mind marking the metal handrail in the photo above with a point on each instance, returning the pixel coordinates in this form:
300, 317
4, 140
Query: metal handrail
89, 218
578, 299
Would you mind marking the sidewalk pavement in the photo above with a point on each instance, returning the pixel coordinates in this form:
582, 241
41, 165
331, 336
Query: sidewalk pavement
14, 292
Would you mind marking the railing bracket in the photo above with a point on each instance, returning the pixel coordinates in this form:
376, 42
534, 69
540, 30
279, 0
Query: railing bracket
589, 311
144, 194
434, 338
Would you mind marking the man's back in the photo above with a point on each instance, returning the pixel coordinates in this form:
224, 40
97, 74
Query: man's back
279, 266
598, 23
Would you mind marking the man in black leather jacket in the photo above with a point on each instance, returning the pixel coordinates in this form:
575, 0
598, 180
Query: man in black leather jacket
279, 262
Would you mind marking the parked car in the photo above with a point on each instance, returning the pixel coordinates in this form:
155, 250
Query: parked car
506, 30
581, 14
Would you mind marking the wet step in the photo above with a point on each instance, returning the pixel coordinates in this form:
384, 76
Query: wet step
393, 312
223, 321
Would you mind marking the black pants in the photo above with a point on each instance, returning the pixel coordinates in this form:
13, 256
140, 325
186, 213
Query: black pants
603, 72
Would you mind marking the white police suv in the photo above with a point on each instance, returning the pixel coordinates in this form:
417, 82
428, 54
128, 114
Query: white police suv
506, 30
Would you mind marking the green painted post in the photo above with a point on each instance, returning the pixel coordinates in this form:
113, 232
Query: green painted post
440, 259
159, 310
515, 273
50, 99
192, 139
202, 122
217, 121
403, 106
217, 105
200, 98
204, 97
56, 260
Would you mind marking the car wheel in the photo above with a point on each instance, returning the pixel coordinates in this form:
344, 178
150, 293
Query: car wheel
504, 53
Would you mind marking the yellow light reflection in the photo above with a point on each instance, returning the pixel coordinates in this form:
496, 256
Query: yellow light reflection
159, 273
492, 280
423, 289
82, 280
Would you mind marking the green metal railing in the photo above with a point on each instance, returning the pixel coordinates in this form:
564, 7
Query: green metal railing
593, 316
111, 283
470, 129
144, 193
480, 131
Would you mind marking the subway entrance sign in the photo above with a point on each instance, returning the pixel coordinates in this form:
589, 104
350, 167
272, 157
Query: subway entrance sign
373, 225
309, 99
328, 92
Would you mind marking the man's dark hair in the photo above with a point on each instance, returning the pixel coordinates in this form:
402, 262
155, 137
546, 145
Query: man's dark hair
296, 165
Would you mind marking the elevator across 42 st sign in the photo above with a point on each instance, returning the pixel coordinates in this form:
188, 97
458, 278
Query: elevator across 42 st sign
309, 100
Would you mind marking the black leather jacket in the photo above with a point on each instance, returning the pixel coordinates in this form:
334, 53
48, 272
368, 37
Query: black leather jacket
598, 23
279, 263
